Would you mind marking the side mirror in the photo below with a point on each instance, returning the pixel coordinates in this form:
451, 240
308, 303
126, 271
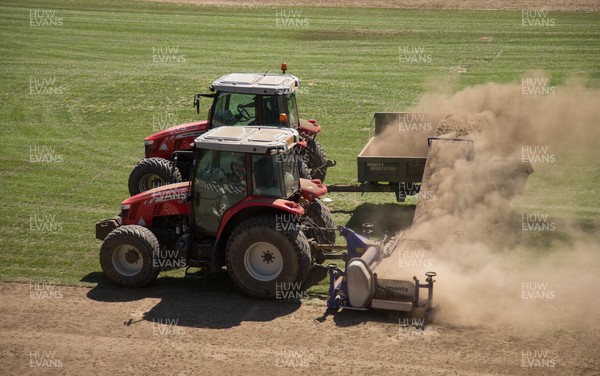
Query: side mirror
197, 102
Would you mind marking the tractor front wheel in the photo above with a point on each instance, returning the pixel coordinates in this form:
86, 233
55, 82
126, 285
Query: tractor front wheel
152, 173
127, 255
267, 258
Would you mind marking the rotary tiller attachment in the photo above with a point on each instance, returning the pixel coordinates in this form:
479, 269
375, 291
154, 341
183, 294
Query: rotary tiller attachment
359, 288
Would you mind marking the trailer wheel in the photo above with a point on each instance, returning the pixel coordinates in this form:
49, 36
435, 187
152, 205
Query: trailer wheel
317, 161
127, 255
152, 173
266, 259
319, 216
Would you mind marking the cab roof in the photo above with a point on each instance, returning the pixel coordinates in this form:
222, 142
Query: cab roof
249, 139
257, 83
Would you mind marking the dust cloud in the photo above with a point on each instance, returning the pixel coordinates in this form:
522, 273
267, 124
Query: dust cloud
488, 271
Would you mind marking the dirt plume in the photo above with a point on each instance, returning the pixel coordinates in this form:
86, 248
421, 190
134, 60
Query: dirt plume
491, 266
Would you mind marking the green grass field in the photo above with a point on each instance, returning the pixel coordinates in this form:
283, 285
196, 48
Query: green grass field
92, 88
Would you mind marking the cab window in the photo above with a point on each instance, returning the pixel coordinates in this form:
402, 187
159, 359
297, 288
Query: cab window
234, 109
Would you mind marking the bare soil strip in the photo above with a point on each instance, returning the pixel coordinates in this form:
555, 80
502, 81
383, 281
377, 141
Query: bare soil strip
159, 330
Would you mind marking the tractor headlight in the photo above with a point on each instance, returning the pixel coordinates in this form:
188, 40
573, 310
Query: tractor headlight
148, 147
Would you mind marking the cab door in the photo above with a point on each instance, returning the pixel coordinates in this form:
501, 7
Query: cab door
219, 183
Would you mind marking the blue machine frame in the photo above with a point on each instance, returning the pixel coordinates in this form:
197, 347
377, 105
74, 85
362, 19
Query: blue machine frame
357, 245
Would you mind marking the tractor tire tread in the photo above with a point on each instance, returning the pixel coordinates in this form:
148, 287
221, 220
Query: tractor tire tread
159, 166
320, 214
317, 158
139, 233
296, 238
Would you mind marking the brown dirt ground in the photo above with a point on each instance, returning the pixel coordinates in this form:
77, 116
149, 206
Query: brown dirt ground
554, 5
119, 331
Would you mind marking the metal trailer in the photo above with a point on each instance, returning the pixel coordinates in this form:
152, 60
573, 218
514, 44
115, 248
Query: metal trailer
394, 159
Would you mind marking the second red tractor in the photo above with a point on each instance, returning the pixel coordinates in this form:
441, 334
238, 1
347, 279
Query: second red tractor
238, 99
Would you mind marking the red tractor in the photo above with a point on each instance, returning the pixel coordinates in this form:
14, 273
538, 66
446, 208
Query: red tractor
237, 99
245, 207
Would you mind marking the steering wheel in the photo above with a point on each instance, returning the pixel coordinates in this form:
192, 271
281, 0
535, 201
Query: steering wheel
243, 113
218, 176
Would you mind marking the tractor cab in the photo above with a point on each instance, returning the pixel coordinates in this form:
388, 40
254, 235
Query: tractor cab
253, 99
235, 164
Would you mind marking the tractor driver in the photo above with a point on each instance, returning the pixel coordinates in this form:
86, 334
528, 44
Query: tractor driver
238, 170
271, 111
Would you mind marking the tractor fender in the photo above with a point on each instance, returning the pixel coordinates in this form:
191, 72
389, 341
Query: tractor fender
251, 206
312, 189
180, 137
168, 200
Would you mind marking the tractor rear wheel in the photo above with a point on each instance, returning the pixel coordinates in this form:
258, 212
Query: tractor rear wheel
318, 217
127, 255
152, 173
266, 258
317, 161
304, 171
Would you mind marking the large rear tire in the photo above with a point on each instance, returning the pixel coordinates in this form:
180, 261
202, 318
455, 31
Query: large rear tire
319, 217
304, 171
317, 161
152, 173
127, 255
266, 258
